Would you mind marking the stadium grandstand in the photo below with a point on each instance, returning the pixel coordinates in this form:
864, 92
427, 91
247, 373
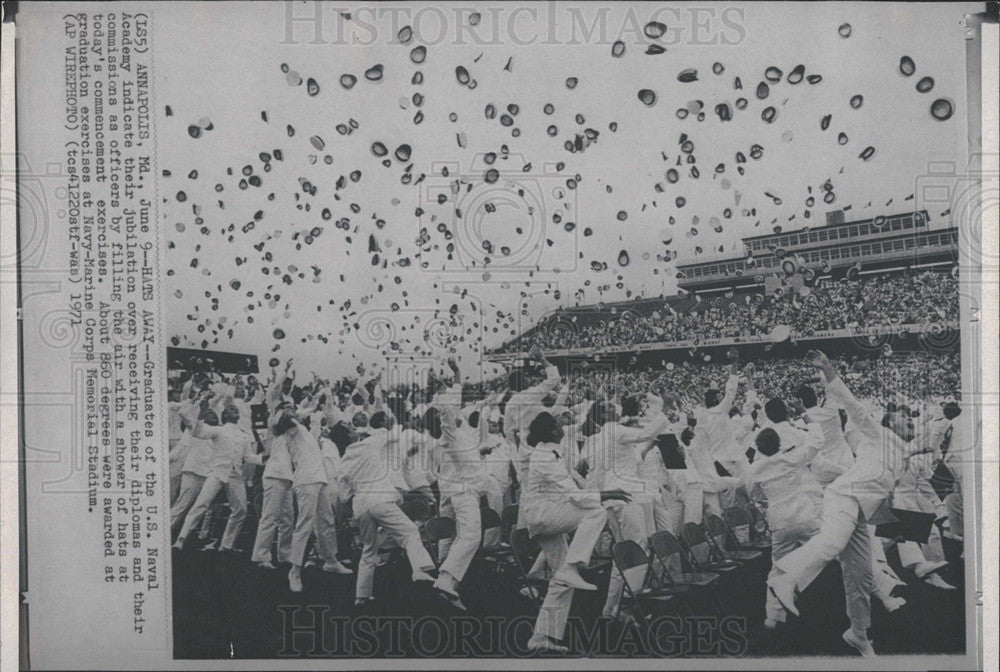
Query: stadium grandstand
875, 288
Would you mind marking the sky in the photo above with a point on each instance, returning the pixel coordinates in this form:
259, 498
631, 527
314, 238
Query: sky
414, 303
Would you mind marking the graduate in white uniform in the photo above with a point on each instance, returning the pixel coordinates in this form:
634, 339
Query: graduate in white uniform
232, 448
178, 437
315, 505
847, 504
527, 402
954, 449
552, 507
794, 499
461, 481
615, 452
415, 454
914, 492
497, 456
657, 479
366, 473
197, 464
277, 516
332, 463
833, 458
712, 437
246, 414
682, 493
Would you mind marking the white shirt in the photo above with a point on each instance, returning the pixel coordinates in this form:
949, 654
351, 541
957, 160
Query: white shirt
713, 430
279, 464
835, 455
461, 466
414, 467
881, 454
365, 469
914, 491
331, 459
174, 417
230, 447
199, 457
549, 483
306, 457
790, 436
246, 415
957, 449
497, 462
623, 470
524, 406
617, 448
651, 470
595, 454
178, 452
794, 496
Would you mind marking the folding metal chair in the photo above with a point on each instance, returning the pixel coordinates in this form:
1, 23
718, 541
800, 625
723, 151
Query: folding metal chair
634, 566
668, 558
701, 554
762, 531
435, 530
743, 530
724, 541
508, 518
490, 519
524, 550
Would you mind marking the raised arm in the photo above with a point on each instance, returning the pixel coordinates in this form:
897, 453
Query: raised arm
729, 396
835, 387
552, 377
651, 429
203, 431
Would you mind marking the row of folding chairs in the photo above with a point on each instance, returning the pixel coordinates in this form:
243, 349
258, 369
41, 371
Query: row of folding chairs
687, 569
440, 528
749, 525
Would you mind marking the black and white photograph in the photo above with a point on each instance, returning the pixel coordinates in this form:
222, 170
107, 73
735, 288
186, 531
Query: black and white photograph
538, 333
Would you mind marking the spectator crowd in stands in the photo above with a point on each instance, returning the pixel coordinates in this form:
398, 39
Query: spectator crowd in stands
924, 298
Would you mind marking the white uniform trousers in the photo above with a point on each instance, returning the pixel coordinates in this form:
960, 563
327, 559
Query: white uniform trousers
556, 521
668, 514
464, 508
208, 520
627, 522
315, 514
689, 506
494, 498
176, 457
911, 553
885, 578
387, 519
711, 504
236, 493
843, 535
783, 542
190, 486
277, 519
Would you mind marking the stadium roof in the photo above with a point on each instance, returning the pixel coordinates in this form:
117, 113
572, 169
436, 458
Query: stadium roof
833, 221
